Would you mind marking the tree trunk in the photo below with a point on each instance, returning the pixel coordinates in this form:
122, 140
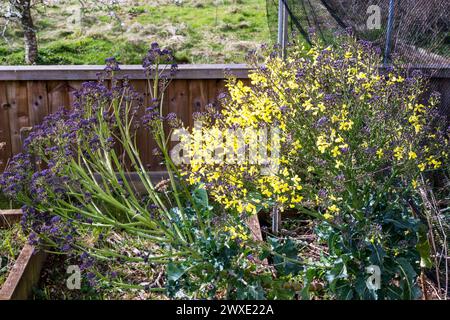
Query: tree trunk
31, 45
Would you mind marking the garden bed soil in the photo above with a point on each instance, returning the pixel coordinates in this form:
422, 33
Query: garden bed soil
52, 285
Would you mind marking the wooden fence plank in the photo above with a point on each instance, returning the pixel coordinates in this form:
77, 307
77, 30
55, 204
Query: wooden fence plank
212, 92
16, 92
198, 95
85, 73
37, 101
179, 100
57, 95
198, 98
60, 94
142, 133
5, 136
178, 103
72, 87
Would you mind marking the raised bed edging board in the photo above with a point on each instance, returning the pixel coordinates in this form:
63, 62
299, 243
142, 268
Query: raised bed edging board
25, 273
8, 217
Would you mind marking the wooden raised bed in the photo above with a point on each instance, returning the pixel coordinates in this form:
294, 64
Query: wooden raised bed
8, 217
24, 275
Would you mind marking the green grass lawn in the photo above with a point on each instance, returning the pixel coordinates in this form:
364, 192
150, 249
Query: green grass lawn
198, 31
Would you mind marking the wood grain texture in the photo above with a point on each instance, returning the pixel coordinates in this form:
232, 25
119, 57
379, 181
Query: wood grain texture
5, 133
38, 106
58, 95
24, 275
8, 217
179, 100
17, 96
84, 73
143, 135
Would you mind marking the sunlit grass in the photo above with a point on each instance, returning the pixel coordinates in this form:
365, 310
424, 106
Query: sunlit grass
198, 31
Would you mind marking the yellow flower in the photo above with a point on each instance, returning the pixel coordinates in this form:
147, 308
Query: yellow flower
380, 153
308, 105
415, 121
419, 108
297, 145
348, 55
361, 75
250, 208
321, 107
322, 144
436, 164
346, 125
295, 179
422, 166
333, 208
253, 170
237, 233
398, 153
335, 152
267, 193
334, 118
414, 184
297, 199
412, 155
193, 180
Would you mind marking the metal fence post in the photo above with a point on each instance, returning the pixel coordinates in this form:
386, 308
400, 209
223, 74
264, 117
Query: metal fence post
390, 26
282, 26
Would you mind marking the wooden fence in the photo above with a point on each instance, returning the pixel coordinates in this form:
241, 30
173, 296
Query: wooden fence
29, 93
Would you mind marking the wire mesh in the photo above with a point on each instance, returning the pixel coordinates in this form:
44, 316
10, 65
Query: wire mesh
420, 30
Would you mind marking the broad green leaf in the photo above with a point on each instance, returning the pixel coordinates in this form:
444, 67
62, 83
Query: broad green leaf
174, 272
423, 247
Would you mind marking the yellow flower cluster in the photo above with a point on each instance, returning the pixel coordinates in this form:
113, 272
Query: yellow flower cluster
398, 153
249, 108
338, 118
248, 173
237, 233
331, 212
416, 119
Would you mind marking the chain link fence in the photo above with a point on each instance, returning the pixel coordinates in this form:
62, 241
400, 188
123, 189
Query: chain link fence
420, 29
